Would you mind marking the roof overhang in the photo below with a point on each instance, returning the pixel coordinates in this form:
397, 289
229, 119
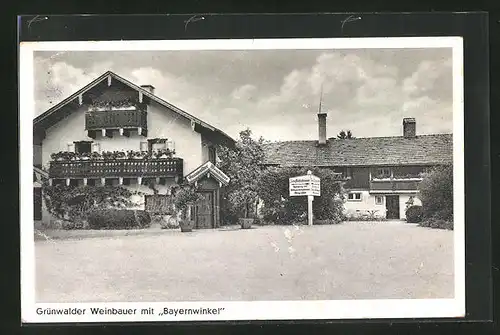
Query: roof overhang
196, 123
209, 170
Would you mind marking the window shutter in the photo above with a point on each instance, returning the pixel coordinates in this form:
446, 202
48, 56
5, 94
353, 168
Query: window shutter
96, 147
144, 146
71, 147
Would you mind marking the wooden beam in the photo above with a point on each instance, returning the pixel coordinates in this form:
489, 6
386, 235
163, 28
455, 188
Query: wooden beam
121, 131
193, 125
120, 180
85, 181
140, 97
103, 181
109, 80
103, 131
139, 180
139, 130
68, 181
80, 99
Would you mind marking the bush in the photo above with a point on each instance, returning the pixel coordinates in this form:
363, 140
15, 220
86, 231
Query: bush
436, 194
414, 214
280, 208
119, 219
437, 223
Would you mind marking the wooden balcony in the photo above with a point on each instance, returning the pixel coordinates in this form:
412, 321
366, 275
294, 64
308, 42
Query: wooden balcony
124, 168
394, 185
116, 119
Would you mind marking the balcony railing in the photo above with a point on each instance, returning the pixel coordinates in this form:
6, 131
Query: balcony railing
394, 185
114, 119
125, 168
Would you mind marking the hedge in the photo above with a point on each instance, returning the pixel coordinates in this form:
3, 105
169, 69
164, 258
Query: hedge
119, 219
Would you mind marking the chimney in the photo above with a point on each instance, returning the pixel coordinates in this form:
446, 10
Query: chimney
409, 127
322, 128
149, 88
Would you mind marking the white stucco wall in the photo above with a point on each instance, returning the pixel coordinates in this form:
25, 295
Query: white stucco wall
367, 203
161, 124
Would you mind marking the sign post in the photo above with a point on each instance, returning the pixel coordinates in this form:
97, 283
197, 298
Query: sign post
308, 185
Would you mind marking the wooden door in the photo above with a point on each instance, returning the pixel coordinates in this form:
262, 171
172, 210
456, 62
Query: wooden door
392, 206
205, 211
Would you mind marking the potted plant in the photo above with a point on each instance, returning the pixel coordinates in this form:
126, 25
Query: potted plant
245, 199
185, 198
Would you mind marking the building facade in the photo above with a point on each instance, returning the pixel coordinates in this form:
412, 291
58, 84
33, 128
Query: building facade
381, 174
113, 132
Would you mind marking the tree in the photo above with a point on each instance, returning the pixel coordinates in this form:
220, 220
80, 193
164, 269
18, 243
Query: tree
242, 165
343, 135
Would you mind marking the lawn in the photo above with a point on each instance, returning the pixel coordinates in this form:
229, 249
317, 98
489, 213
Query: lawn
347, 261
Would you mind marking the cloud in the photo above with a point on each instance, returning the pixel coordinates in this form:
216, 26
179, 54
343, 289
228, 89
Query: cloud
59, 80
245, 92
366, 94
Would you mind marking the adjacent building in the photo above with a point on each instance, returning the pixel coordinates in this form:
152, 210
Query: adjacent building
382, 173
114, 132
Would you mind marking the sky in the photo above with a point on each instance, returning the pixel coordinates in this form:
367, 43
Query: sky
275, 93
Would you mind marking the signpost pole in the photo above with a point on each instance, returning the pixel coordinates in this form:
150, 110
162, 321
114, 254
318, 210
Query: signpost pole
310, 199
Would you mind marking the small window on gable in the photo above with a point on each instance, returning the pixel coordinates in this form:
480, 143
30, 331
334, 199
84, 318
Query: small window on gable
379, 200
354, 196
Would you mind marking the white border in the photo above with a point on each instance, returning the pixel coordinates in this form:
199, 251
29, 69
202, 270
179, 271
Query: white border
260, 310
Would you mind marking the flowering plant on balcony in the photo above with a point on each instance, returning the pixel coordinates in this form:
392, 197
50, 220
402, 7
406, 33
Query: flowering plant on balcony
164, 153
95, 156
131, 154
63, 156
108, 105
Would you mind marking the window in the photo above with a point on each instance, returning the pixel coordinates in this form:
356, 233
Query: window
83, 147
354, 196
382, 173
211, 154
379, 200
159, 146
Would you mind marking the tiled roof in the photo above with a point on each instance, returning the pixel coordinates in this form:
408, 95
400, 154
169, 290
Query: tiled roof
374, 151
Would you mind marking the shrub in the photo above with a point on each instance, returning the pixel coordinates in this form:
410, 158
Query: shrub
437, 223
436, 194
75, 203
414, 214
119, 219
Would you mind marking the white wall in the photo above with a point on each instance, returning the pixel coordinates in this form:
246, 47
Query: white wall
161, 124
367, 203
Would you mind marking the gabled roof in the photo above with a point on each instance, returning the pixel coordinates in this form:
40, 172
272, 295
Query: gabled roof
57, 108
210, 170
374, 151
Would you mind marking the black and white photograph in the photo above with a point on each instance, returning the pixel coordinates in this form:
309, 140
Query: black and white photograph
242, 179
